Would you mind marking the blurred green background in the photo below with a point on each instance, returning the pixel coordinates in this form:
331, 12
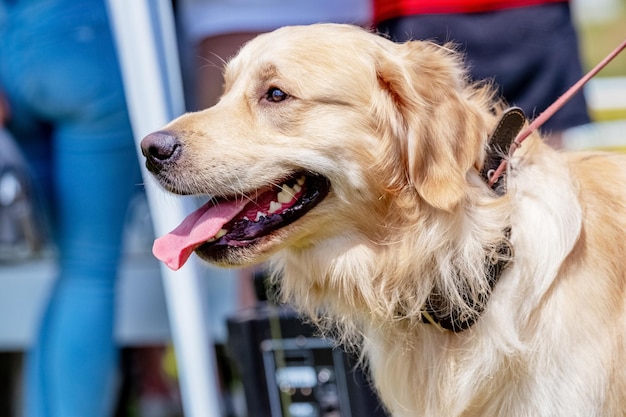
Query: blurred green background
602, 26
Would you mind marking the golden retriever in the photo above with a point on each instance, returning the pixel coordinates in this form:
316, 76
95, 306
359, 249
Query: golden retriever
354, 164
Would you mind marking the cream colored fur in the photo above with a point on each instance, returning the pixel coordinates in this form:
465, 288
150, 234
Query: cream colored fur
401, 136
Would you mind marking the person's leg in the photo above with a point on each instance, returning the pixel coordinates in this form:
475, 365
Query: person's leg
74, 363
71, 369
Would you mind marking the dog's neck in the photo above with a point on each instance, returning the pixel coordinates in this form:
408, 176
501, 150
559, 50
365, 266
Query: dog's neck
448, 288
457, 319
510, 124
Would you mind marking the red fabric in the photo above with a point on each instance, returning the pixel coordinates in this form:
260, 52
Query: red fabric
387, 9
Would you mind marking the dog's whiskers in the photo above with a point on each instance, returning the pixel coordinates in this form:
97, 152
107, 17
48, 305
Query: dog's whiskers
211, 64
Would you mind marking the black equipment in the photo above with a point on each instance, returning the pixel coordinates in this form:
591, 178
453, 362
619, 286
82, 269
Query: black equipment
289, 372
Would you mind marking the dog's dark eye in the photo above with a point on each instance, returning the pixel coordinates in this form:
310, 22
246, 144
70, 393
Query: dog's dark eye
276, 95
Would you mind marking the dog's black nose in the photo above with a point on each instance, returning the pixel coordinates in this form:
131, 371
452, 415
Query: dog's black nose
160, 148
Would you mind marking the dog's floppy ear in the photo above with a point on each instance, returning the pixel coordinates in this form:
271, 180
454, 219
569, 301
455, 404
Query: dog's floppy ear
442, 134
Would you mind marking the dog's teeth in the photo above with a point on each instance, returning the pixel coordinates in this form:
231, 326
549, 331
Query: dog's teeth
297, 188
301, 180
283, 197
259, 216
274, 207
286, 195
219, 234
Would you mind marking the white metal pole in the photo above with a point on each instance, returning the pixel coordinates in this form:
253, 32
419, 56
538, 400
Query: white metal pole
146, 41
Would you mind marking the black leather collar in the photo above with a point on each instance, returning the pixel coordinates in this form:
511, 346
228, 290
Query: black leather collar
509, 126
511, 123
457, 321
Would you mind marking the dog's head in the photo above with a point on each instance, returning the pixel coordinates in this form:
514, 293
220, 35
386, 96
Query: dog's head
319, 127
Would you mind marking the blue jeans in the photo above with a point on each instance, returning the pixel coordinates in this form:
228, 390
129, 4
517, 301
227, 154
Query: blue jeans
59, 71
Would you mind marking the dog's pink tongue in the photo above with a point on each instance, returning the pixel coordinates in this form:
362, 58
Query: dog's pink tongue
203, 224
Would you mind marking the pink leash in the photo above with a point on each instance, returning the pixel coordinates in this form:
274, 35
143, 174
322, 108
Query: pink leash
554, 107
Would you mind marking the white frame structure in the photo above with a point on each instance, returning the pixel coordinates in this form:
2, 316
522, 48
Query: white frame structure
146, 41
